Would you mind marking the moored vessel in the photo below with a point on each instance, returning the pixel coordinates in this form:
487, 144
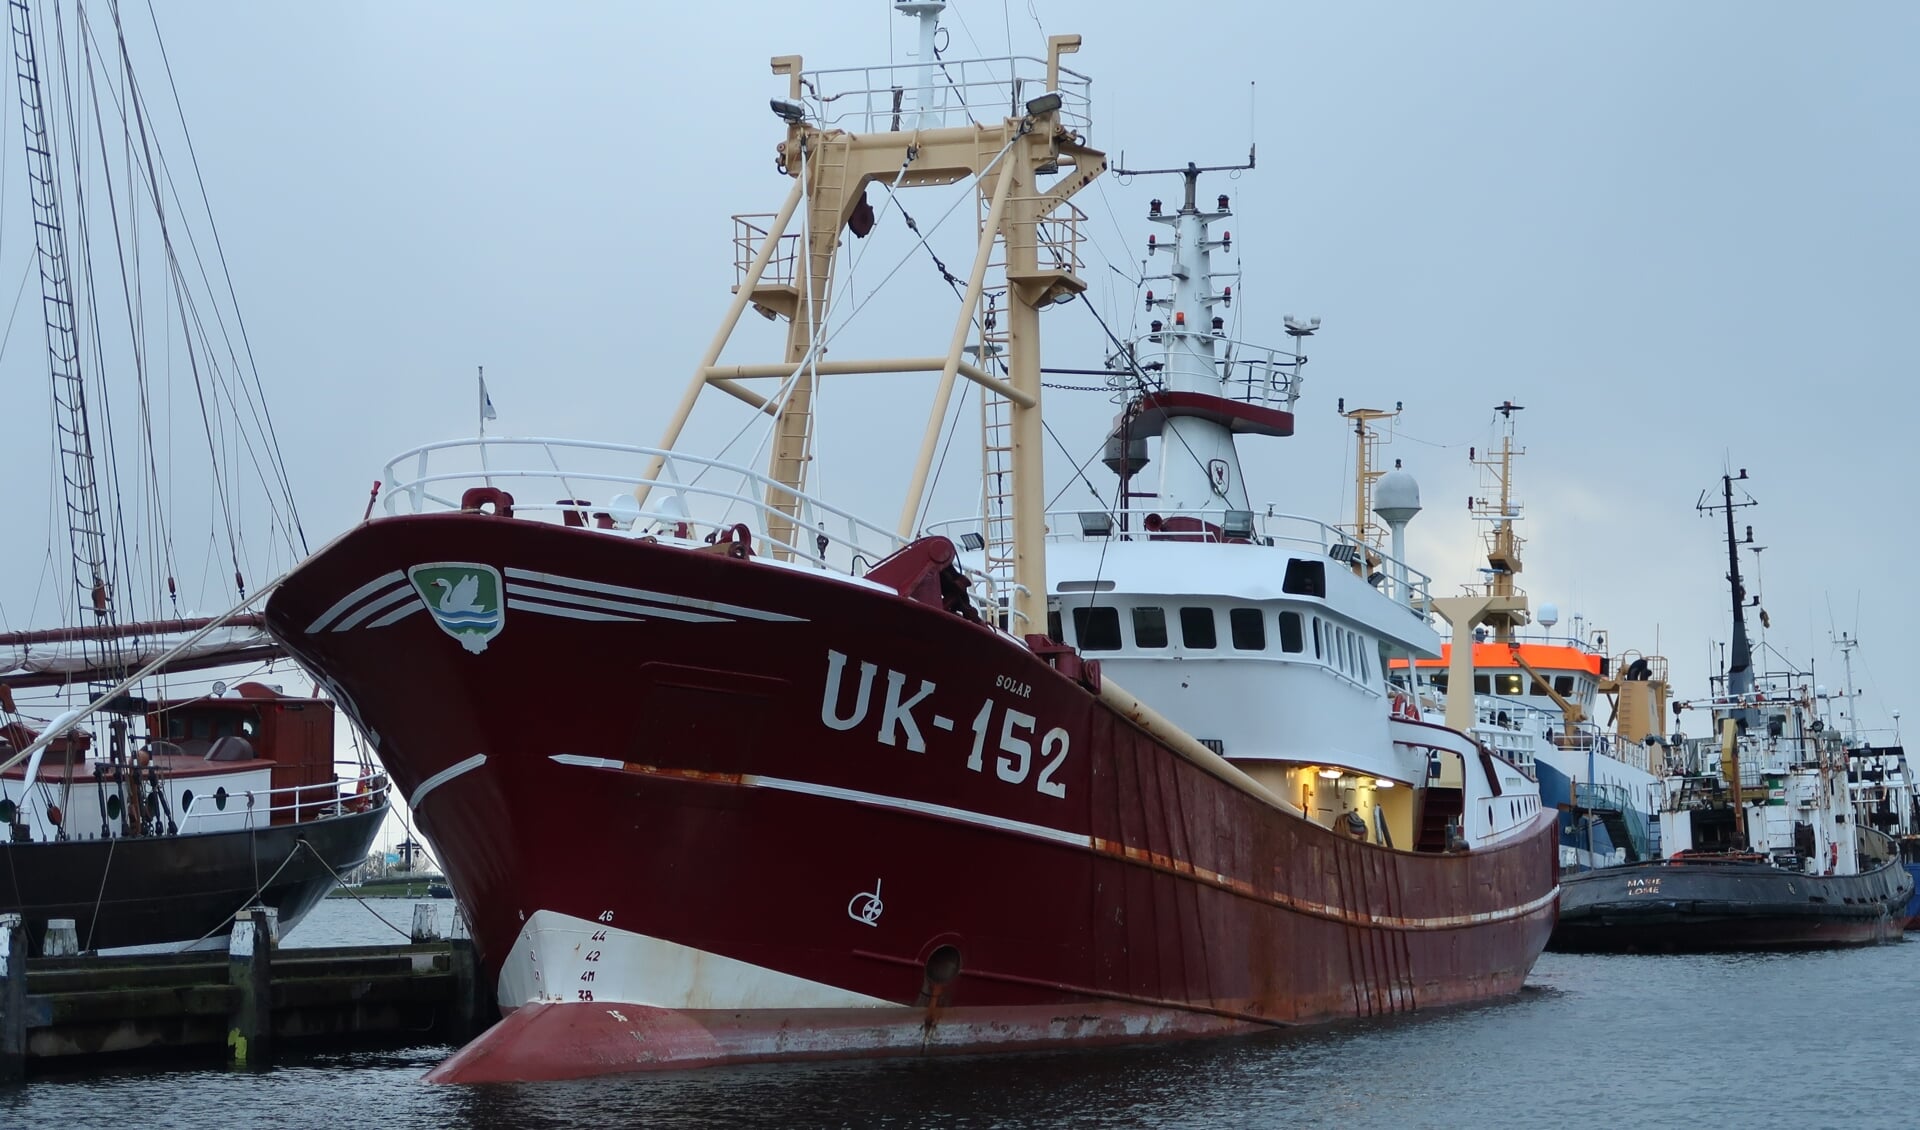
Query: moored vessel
1533, 695
1764, 845
849, 790
141, 805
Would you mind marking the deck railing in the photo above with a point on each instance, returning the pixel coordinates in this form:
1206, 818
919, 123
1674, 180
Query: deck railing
691, 501
299, 803
1263, 376
1254, 529
961, 92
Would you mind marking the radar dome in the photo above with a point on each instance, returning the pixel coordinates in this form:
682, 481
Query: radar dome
1549, 615
1396, 497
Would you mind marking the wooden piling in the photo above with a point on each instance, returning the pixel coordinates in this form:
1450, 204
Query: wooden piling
13, 998
250, 972
62, 939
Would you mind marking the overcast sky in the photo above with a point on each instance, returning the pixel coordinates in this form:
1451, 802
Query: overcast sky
1683, 235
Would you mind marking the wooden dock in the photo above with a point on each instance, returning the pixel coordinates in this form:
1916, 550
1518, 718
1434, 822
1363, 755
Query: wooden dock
64, 1013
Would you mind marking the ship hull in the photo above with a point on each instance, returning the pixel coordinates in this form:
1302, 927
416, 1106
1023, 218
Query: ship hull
179, 891
741, 812
1709, 905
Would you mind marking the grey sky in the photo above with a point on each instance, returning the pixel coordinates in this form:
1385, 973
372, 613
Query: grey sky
1681, 234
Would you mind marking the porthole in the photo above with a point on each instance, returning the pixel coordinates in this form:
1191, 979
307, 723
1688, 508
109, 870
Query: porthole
113, 807
186, 801
220, 798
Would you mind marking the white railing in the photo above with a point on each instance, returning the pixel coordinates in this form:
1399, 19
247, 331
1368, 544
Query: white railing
691, 501
306, 802
963, 91
584, 482
1271, 531
1263, 376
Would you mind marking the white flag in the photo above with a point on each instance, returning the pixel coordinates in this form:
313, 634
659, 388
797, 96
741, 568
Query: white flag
486, 402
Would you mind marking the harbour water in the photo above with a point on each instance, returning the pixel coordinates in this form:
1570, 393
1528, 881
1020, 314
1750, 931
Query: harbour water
1789, 1040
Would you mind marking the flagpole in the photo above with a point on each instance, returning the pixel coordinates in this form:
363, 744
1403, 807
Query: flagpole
486, 472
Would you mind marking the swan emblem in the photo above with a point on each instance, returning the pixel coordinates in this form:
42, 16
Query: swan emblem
465, 600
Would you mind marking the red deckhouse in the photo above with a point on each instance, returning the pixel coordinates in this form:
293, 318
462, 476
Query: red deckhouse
868, 791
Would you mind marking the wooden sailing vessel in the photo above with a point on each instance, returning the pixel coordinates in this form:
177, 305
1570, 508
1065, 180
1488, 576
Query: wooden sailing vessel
140, 807
725, 774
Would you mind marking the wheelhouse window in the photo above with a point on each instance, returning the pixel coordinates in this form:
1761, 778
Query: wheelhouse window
1318, 632
1196, 629
1509, 684
1248, 628
1097, 629
1149, 627
1563, 684
1292, 639
1483, 684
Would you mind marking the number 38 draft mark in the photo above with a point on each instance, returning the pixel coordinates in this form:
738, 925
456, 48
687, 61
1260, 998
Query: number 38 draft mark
1015, 756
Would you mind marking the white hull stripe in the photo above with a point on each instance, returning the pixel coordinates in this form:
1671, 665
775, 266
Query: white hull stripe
536, 607
374, 607
353, 598
641, 610
445, 775
1155, 860
655, 597
398, 614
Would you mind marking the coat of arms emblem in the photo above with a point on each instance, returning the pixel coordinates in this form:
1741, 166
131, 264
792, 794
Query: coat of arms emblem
465, 600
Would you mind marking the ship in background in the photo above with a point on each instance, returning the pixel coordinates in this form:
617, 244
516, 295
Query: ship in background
1534, 696
1765, 844
1886, 793
849, 790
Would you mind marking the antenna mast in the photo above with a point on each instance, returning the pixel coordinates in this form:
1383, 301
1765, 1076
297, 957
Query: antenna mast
1503, 543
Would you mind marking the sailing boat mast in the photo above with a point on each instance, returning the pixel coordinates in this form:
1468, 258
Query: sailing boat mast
91, 575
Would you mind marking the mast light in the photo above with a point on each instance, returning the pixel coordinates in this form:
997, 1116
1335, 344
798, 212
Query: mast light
1219, 325
1227, 296
1223, 202
1153, 207
1149, 301
1179, 319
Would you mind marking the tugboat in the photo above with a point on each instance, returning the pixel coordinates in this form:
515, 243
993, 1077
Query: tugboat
1765, 847
720, 773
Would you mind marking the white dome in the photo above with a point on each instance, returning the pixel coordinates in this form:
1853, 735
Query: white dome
1396, 497
1549, 615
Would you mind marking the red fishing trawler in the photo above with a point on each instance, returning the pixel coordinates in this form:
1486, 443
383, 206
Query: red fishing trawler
719, 772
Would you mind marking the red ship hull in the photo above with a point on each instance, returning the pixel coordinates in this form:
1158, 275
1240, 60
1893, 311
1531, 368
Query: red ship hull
701, 809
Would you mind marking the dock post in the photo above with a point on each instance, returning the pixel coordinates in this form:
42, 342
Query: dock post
13, 998
471, 1012
250, 972
62, 940
426, 927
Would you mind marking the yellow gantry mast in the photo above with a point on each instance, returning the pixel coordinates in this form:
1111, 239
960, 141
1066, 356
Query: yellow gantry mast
792, 276
1366, 444
1503, 544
